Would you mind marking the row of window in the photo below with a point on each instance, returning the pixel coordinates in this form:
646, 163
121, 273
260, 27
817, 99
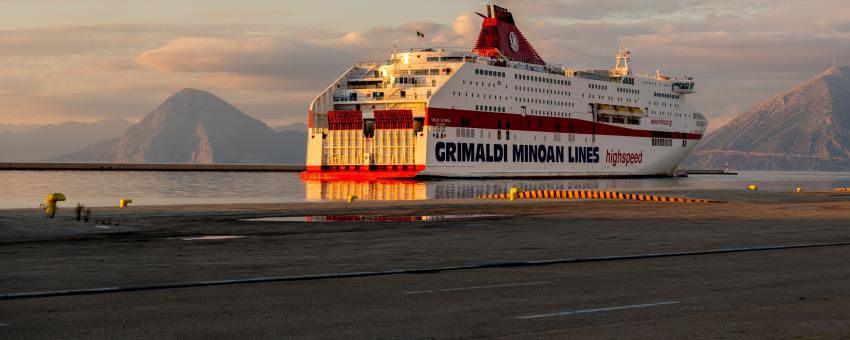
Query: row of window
632, 91
489, 73
663, 104
478, 95
539, 90
470, 133
445, 59
406, 80
597, 87
662, 142
550, 113
482, 84
501, 109
544, 102
519, 99
617, 119
490, 108
655, 83
542, 79
465, 132
426, 72
666, 95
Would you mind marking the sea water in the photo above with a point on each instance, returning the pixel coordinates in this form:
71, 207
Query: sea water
27, 189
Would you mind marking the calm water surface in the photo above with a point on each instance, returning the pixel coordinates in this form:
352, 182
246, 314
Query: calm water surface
22, 189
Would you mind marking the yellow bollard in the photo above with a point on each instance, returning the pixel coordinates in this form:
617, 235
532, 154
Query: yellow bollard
514, 193
799, 189
753, 187
124, 202
352, 198
50, 206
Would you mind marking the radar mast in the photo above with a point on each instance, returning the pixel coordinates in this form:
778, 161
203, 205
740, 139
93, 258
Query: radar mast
624, 58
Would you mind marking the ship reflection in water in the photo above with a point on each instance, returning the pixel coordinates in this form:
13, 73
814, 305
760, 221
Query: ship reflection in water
395, 190
382, 190
26, 189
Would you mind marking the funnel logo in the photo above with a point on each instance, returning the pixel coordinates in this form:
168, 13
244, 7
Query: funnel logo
514, 41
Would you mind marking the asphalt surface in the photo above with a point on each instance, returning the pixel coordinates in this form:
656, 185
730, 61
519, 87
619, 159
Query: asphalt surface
771, 295
787, 293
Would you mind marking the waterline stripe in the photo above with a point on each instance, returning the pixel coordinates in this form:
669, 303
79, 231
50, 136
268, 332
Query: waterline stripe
479, 287
596, 310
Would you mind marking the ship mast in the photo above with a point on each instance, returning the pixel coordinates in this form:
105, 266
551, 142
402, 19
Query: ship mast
624, 58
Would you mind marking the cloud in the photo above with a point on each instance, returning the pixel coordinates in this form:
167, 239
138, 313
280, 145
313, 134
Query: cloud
740, 51
286, 63
353, 38
295, 64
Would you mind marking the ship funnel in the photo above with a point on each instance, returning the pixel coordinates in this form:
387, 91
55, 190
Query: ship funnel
501, 38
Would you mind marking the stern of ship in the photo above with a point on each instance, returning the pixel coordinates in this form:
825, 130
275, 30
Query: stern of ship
368, 125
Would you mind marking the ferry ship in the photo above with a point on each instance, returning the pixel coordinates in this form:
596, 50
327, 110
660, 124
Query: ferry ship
499, 110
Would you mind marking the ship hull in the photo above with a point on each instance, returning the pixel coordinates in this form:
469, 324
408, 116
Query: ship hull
537, 151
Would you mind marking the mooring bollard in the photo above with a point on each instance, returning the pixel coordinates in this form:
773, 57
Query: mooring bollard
514, 193
78, 211
50, 205
87, 215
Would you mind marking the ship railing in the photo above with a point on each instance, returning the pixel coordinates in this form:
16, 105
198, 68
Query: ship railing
368, 64
435, 49
410, 97
366, 87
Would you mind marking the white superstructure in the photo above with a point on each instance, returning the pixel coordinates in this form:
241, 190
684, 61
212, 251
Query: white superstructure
499, 110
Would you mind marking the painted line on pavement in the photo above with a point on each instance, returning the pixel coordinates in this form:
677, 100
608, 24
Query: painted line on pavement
478, 287
596, 310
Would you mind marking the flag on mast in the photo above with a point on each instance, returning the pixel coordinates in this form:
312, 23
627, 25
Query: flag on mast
420, 34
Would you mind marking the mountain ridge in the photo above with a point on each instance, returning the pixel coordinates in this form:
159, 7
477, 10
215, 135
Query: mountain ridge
52, 140
194, 126
804, 128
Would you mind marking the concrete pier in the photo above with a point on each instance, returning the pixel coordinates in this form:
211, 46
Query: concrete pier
764, 265
152, 167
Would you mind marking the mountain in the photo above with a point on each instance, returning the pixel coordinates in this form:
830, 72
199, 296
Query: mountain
299, 127
18, 127
51, 140
194, 126
806, 128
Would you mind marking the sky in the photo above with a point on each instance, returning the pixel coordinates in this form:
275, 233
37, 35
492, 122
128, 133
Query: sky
87, 60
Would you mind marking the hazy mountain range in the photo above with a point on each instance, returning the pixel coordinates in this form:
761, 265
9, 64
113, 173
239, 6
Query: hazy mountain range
298, 127
194, 126
34, 143
805, 128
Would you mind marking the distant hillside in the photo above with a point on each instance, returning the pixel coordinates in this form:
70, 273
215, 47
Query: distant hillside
48, 141
194, 126
298, 127
805, 128
18, 127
